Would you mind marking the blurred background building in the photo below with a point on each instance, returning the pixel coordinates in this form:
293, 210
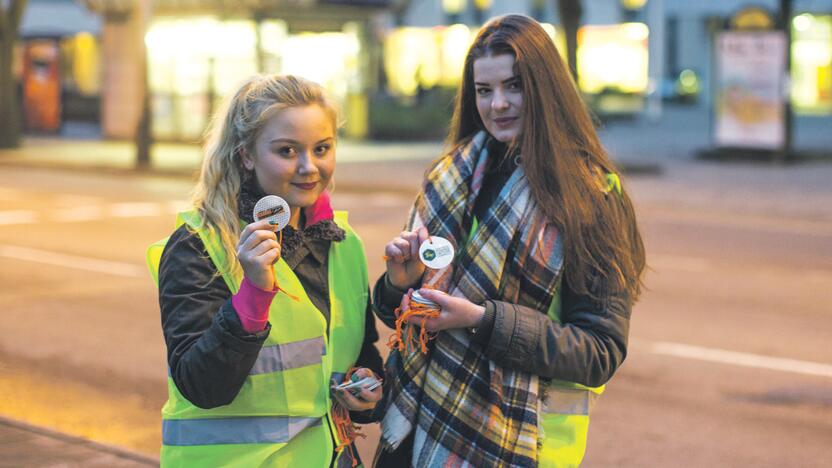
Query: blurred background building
392, 64
57, 65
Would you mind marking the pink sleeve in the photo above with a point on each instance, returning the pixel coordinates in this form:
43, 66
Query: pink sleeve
252, 306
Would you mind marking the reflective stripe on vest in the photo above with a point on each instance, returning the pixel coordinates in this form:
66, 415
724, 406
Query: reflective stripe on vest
563, 421
250, 430
289, 355
566, 400
281, 414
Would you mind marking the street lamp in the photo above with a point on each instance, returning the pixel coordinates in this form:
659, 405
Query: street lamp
453, 9
481, 7
538, 9
633, 4
631, 8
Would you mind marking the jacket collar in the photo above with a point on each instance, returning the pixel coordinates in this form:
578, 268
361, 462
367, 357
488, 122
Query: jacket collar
316, 237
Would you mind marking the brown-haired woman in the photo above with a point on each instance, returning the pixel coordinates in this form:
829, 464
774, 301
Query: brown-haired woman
536, 304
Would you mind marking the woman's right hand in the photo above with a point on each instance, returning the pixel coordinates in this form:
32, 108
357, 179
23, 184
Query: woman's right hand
257, 251
404, 269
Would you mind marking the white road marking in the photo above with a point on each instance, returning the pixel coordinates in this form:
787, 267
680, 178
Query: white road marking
79, 212
137, 209
175, 206
76, 214
820, 228
662, 262
77, 200
18, 217
664, 348
818, 276
677, 262
742, 359
73, 261
7, 194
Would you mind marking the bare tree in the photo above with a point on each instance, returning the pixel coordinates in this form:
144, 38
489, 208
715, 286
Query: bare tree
10, 13
570, 12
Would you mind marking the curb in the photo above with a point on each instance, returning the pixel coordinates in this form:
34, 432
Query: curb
641, 169
76, 440
749, 156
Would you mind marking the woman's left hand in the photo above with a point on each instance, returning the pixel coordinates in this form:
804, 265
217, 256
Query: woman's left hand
455, 312
364, 400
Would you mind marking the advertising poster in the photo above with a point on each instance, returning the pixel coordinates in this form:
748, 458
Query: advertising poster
749, 105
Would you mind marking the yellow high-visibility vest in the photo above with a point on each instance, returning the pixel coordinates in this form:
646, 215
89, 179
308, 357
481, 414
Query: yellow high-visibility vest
282, 414
563, 417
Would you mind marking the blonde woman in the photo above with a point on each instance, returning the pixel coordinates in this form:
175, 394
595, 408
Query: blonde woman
259, 330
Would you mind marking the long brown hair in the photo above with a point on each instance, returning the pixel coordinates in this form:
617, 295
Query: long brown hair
563, 160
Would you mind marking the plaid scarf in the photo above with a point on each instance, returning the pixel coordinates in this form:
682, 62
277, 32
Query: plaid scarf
466, 410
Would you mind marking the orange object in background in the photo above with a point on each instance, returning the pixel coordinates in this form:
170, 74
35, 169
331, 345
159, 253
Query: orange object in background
41, 85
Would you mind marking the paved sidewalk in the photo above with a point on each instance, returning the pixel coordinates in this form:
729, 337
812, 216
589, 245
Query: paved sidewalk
387, 162
683, 131
180, 159
22, 444
664, 151
363, 166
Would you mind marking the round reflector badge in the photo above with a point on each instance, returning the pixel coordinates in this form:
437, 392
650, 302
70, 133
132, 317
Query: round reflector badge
273, 208
436, 252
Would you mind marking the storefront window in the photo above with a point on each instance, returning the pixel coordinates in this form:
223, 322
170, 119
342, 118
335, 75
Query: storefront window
80, 63
411, 60
454, 42
194, 63
190, 63
421, 58
613, 58
812, 63
328, 58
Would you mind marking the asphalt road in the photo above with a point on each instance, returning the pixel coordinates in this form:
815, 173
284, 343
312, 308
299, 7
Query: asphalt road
730, 361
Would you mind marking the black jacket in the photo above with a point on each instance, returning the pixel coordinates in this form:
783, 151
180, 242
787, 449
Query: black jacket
209, 353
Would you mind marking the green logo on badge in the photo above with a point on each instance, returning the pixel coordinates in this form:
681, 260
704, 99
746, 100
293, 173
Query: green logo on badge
429, 255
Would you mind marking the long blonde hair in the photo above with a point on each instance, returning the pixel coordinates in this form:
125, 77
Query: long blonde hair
232, 133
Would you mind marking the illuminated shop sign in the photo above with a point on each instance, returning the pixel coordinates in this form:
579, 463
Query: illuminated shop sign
195, 62
613, 58
812, 63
